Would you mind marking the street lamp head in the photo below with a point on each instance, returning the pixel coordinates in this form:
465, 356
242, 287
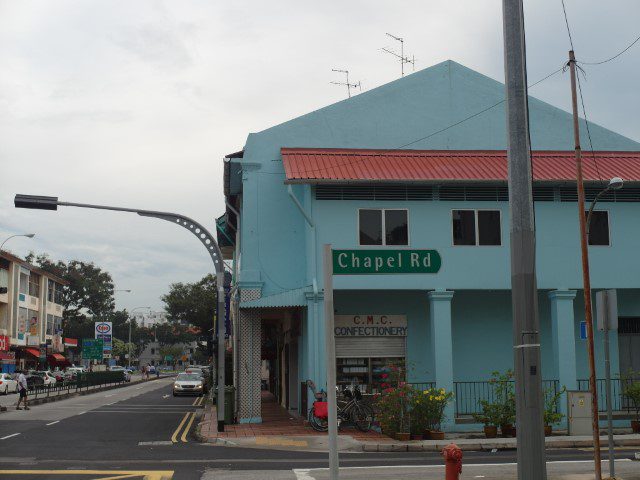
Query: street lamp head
36, 202
615, 183
30, 235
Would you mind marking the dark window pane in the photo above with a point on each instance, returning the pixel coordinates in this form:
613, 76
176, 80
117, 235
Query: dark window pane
397, 231
464, 227
599, 229
370, 227
489, 227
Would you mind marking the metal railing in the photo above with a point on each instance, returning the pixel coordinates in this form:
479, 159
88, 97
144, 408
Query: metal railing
422, 386
619, 403
82, 382
469, 394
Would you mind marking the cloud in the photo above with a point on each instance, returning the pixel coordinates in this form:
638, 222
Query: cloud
157, 45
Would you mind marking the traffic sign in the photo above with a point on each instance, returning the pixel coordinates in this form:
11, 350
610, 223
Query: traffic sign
92, 349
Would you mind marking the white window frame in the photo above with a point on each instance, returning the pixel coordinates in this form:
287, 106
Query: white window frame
608, 229
477, 232
384, 227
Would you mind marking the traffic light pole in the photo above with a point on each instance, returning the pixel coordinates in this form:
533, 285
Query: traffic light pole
37, 202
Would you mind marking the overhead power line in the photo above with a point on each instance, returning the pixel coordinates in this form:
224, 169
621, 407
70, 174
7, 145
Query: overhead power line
615, 56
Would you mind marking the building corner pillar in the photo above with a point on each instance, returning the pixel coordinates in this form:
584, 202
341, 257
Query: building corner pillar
442, 347
564, 342
249, 392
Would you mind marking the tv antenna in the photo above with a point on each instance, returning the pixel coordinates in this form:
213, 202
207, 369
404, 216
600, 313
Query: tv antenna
347, 84
402, 58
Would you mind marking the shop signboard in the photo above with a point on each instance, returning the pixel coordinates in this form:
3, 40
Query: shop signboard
5, 342
33, 340
370, 326
366, 262
8, 357
33, 325
56, 344
92, 349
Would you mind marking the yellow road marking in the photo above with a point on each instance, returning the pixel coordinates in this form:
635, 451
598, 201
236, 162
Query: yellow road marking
186, 429
147, 475
280, 442
195, 401
174, 437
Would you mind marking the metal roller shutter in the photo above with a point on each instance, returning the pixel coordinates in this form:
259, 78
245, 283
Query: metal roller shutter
364, 347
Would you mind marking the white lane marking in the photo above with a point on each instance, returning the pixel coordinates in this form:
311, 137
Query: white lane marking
82, 413
53, 423
138, 388
157, 442
302, 474
165, 396
9, 436
110, 395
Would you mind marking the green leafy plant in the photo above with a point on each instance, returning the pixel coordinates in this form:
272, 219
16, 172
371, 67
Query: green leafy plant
631, 390
502, 410
428, 407
551, 398
393, 404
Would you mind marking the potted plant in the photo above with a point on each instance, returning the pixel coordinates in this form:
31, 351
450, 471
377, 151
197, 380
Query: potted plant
490, 417
631, 390
551, 414
393, 405
419, 415
437, 400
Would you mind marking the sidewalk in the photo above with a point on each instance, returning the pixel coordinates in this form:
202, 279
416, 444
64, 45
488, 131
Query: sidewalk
11, 400
281, 430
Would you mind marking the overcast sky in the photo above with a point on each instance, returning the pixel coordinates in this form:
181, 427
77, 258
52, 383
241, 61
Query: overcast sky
136, 103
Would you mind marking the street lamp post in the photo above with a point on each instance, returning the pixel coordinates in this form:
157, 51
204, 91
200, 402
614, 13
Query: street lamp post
28, 235
206, 238
615, 183
130, 320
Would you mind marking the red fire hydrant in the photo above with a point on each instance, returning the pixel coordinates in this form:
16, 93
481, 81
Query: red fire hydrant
453, 461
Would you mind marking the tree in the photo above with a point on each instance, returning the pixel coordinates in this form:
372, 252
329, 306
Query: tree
192, 303
89, 295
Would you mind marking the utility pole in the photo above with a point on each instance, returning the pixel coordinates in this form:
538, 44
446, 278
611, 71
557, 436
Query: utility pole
524, 290
588, 316
330, 354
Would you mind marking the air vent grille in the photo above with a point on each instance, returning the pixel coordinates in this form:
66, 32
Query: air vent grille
374, 192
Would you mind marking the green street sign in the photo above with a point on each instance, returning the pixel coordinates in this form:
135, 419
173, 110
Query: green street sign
364, 262
92, 349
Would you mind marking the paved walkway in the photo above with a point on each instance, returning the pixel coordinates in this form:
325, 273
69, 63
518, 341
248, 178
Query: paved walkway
276, 421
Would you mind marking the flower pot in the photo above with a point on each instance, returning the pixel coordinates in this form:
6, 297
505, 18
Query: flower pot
490, 431
635, 426
548, 429
435, 435
403, 437
508, 430
416, 436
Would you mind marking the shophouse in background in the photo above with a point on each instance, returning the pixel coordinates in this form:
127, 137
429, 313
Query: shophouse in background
31, 309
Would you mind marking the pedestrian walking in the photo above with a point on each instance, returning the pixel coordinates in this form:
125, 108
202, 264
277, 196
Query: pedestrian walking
23, 389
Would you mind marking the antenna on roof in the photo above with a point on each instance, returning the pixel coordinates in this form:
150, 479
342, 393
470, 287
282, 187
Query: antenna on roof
402, 58
348, 85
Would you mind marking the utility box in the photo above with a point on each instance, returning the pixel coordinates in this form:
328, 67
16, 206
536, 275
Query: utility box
579, 413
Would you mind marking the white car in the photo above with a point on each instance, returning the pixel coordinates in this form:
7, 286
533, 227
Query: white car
125, 372
188, 384
48, 378
7, 384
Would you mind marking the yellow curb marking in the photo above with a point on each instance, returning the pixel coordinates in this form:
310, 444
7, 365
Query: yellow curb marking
120, 474
280, 442
174, 437
186, 429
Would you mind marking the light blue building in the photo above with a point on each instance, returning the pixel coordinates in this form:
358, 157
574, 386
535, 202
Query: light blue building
382, 172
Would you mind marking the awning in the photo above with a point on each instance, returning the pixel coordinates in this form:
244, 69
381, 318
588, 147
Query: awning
70, 342
287, 298
58, 358
325, 165
33, 351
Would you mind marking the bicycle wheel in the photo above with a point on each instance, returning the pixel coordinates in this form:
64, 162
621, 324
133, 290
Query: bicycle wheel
317, 423
362, 417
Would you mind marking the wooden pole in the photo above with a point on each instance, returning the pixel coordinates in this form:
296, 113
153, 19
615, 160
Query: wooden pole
588, 316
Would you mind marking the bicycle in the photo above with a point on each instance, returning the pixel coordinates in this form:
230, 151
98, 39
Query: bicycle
350, 410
